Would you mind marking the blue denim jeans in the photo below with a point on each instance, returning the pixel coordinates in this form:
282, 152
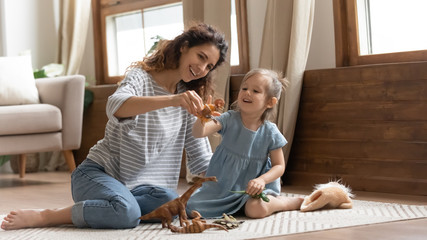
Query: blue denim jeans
102, 201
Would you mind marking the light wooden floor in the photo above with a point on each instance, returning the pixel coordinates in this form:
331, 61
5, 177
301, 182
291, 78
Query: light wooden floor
52, 190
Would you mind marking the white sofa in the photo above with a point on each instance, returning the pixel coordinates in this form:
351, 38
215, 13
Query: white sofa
53, 125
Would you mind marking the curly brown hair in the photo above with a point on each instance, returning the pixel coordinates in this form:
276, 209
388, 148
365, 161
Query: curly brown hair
167, 54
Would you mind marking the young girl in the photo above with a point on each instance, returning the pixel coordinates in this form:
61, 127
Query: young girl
250, 155
135, 168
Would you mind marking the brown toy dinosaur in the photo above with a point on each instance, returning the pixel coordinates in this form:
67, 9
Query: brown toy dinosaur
197, 225
176, 207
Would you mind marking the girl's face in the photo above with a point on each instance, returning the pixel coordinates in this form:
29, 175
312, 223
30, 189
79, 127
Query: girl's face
253, 96
196, 62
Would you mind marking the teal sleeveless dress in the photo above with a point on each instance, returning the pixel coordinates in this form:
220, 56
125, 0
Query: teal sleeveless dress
242, 155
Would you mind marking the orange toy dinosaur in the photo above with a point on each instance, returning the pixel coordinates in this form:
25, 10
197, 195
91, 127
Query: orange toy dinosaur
210, 110
329, 195
176, 207
197, 225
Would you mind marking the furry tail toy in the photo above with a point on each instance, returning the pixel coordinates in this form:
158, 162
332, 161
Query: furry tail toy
328, 195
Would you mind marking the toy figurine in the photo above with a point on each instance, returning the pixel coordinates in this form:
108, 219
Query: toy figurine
262, 195
198, 225
176, 207
228, 221
211, 110
329, 195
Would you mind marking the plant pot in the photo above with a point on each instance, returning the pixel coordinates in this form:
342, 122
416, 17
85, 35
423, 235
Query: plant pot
31, 165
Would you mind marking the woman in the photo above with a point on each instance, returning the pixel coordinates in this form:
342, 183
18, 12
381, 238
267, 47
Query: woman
135, 168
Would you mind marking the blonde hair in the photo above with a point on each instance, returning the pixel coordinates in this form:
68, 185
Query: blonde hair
276, 87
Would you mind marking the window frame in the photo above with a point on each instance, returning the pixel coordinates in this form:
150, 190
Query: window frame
242, 34
347, 40
103, 8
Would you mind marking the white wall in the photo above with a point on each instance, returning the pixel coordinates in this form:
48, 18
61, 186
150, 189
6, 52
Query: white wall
33, 25
322, 47
29, 25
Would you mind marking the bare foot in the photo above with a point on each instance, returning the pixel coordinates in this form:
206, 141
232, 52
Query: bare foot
291, 203
23, 219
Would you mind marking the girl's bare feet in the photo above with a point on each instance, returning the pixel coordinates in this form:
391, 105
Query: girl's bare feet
23, 219
291, 203
256, 208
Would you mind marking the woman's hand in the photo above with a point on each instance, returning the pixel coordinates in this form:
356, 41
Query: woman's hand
191, 101
255, 186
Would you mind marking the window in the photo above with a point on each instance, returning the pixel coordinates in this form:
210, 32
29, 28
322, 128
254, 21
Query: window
239, 58
129, 36
125, 31
380, 31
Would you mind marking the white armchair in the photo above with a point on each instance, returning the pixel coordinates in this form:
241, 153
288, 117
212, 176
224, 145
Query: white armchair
53, 125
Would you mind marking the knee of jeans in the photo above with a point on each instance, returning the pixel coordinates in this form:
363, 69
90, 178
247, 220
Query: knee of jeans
127, 214
165, 195
171, 195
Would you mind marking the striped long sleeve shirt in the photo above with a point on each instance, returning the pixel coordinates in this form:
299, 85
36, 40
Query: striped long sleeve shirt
147, 149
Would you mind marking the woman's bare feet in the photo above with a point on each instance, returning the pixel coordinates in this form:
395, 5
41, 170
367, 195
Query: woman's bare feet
30, 218
23, 219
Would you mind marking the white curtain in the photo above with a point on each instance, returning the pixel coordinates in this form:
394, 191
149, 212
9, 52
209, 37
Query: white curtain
285, 47
74, 23
74, 16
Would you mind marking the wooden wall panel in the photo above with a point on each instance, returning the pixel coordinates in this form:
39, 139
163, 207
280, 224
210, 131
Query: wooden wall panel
364, 124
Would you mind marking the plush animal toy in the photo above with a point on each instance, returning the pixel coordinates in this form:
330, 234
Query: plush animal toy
329, 195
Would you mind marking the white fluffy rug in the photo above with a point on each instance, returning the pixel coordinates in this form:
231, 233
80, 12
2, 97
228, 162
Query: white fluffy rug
363, 213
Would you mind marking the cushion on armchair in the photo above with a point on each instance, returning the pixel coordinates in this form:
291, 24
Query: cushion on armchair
30, 119
17, 81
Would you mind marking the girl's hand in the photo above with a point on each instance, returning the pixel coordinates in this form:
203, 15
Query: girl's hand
191, 101
255, 186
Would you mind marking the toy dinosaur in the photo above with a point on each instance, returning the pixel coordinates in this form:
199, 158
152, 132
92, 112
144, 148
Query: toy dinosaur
167, 211
198, 225
210, 110
228, 221
329, 195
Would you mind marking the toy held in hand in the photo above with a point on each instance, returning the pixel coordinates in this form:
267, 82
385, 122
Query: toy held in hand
262, 195
211, 110
329, 195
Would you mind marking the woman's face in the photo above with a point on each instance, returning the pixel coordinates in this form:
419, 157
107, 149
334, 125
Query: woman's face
196, 62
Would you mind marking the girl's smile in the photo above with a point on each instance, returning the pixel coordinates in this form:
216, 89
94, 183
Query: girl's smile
253, 94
